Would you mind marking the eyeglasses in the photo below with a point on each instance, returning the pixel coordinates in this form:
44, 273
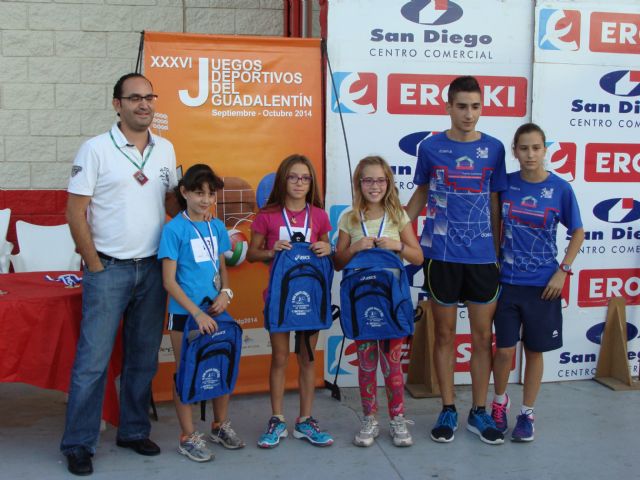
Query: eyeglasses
138, 98
370, 181
305, 179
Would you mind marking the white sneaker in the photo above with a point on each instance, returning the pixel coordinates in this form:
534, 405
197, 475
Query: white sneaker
399, 431
226, 436
368, 432
194, 448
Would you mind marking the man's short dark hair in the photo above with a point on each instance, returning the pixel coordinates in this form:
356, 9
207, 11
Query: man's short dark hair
463, 84
117, 88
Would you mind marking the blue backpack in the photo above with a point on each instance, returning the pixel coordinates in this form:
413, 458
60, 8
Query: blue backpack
299, 296
209, 363
375, 298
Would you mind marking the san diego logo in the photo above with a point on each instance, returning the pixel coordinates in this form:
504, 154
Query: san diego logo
620, 83
432, 13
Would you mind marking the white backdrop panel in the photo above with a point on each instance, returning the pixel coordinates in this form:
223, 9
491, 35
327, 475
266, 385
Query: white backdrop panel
392, 62
588, 101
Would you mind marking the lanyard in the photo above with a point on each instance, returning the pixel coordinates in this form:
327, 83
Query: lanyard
306, 222
135, 164
206, 245
382, 225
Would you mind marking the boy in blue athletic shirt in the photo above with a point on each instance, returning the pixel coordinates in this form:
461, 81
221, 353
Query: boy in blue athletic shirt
459, 175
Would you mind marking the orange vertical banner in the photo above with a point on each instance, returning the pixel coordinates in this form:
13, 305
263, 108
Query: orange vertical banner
239, 104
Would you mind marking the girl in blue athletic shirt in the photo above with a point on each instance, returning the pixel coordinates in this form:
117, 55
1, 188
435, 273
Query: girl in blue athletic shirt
532, 280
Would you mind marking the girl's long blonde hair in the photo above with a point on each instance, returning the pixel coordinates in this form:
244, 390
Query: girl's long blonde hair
390, 201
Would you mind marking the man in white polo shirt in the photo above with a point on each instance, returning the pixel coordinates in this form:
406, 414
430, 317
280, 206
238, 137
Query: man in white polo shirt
120, 184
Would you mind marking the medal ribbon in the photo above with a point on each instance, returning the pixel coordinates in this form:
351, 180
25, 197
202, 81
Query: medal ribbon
135, 164
69, 279
382, 225
206, 245
306, 221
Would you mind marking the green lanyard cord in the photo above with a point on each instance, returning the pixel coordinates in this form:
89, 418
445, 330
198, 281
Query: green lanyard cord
139, 167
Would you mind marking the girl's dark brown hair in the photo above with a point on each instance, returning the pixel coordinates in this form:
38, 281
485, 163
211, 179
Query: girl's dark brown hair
279, 192
527, 128
196, 176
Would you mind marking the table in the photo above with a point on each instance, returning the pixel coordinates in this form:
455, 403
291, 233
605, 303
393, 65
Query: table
39, 328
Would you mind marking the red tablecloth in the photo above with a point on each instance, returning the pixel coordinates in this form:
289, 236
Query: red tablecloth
39, 327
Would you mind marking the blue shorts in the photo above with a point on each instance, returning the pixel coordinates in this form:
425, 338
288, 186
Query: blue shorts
541, 320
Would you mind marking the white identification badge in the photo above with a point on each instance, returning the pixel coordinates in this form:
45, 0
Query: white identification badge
200, 253
284, 233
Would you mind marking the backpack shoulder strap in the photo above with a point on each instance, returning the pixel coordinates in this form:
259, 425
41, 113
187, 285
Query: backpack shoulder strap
375, 257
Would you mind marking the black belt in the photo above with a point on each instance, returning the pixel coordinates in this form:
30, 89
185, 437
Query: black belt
111, 259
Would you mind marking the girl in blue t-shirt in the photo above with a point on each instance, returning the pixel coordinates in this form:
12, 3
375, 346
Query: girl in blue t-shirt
193, 270
532, 280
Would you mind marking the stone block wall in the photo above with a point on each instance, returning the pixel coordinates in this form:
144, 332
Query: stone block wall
59, 60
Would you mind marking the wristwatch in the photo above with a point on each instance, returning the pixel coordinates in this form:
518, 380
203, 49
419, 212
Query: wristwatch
566, 268
229, 293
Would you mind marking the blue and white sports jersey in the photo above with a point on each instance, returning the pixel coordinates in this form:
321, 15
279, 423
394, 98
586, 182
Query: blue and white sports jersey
461, 176
194, 270
530, 215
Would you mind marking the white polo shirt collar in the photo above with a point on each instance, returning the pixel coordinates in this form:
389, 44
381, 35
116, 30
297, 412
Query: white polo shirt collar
121, 140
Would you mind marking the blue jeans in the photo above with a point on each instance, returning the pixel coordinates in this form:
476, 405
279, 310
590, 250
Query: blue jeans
131, 291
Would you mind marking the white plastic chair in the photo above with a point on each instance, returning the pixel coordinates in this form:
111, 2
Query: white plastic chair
44, 248
5, 247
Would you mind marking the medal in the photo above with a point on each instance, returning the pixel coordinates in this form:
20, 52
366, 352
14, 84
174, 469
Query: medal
140, 177
298, 236
217, 282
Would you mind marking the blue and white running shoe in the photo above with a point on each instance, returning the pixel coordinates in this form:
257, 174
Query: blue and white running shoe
481, 423
276, 430
445, 426
524, 429
309, 430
